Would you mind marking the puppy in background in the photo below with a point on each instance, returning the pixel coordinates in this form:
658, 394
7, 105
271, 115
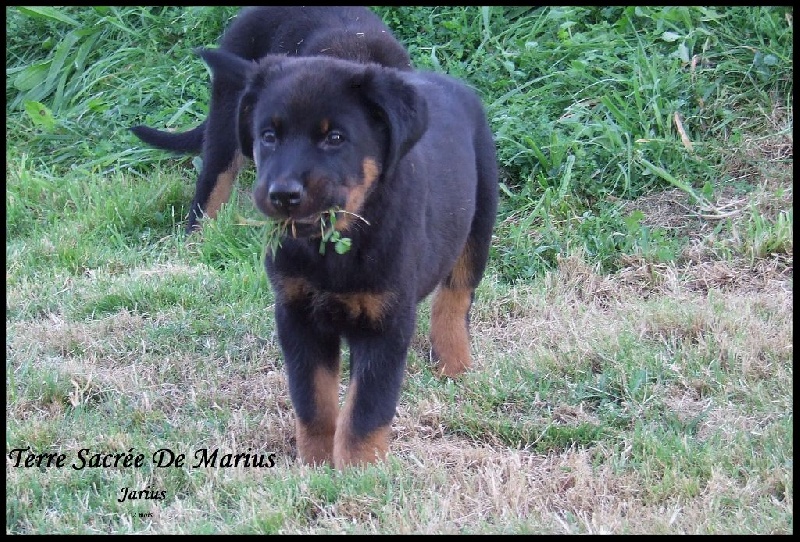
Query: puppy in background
351, 33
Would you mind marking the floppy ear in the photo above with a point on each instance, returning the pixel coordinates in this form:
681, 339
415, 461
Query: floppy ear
244, 122
402, 107
257, 78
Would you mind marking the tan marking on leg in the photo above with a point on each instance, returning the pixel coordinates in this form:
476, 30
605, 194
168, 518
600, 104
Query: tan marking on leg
357, 195
461, 275
370, 305
223, 186
449, 334
350, 450
315, 440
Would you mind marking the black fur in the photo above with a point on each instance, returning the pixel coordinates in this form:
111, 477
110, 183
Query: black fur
353, 33
412, 155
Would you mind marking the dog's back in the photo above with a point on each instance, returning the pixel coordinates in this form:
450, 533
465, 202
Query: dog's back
347, 32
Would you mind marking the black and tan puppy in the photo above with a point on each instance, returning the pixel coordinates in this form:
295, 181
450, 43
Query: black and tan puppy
353, 33
407, 162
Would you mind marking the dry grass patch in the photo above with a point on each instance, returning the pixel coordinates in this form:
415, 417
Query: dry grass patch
673, 376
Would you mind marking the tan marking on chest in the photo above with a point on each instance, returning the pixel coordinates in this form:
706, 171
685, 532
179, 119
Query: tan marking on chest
370, 305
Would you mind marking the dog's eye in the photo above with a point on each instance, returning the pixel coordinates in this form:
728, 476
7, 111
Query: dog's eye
268, 138
334, 138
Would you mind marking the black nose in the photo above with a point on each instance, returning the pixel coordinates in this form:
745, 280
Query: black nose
286, 195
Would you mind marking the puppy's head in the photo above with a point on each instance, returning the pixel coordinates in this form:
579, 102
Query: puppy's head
323, 132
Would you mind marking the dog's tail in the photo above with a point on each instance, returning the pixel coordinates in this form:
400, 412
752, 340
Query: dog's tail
190, 142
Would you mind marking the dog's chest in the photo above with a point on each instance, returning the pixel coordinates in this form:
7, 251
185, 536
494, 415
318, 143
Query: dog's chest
335, 309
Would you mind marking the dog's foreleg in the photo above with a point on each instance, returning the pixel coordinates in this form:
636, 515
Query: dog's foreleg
312, 368
376, 374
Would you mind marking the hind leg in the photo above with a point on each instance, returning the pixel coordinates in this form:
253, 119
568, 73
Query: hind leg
450, 330
453, 297
450, 316
222, 158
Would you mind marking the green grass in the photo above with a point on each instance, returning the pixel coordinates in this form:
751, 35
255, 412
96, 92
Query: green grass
632, 337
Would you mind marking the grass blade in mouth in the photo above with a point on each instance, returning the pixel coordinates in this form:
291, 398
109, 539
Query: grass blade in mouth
275, 230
